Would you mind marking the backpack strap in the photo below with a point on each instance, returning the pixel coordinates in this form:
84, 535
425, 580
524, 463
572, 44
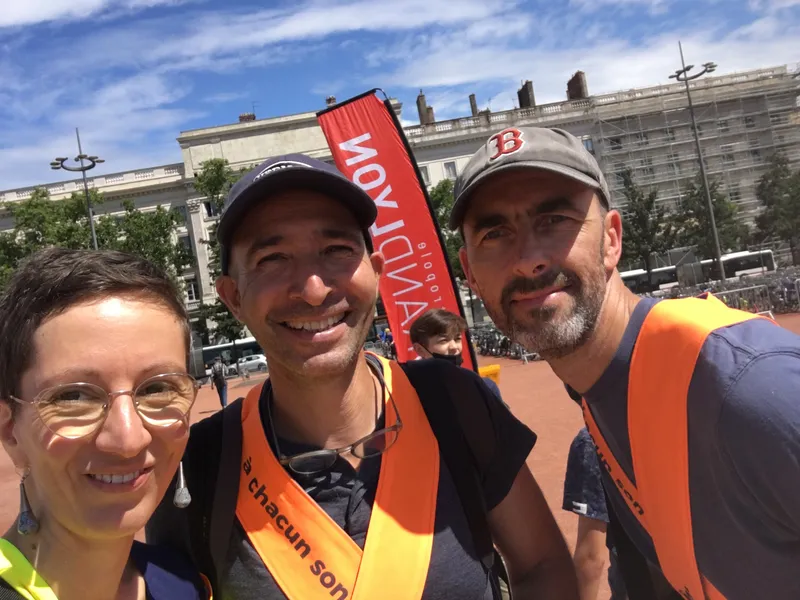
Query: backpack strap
226, 489
443, 394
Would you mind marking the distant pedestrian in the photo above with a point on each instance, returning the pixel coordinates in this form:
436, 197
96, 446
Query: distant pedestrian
218, 381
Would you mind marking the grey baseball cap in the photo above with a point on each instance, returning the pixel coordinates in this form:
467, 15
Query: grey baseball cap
553, 150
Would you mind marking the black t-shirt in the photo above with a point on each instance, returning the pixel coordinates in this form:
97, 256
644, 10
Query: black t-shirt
347, 496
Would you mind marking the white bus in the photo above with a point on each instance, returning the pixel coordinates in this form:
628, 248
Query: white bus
737, 264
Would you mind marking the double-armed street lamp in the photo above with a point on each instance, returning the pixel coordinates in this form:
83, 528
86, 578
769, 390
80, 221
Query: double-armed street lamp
86, 163
683, 75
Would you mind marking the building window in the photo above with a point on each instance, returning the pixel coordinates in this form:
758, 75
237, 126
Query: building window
619, 170
755, 155
183, 215
722, 124
647, 167
426, 179
776, 119
615, 143
670, 133
192, 290
728, 159
672, 158
186, 243
588, 144
642, 139
699, 129
735, 192
749, 122
450, 170
211, 210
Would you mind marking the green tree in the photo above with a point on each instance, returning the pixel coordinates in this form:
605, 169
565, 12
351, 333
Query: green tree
40, 222
442, 199
146, 234
648, 227
778, 191
694, 223
214, 181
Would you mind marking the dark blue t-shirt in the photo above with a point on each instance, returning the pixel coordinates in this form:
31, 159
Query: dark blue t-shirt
168, 575
584, 496
744, 455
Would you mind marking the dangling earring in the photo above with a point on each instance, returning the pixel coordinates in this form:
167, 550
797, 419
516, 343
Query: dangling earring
27, 523
182, 497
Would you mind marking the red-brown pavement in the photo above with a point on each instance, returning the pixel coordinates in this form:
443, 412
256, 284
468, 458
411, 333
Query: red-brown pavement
534, 393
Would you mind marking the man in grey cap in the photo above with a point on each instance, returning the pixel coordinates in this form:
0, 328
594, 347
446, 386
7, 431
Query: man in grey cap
693, 406
341, 453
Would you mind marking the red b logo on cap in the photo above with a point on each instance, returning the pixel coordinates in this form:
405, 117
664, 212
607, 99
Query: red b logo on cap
507, 141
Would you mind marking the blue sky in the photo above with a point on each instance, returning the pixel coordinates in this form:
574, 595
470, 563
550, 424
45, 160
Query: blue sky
132, 74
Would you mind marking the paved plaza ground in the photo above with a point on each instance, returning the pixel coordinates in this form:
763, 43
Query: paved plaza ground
533, 392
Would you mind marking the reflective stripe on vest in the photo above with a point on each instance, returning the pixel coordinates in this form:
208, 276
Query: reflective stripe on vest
661, 370
307, 553
20, 574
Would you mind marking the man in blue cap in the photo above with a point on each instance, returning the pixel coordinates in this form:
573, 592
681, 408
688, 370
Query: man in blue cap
350, 475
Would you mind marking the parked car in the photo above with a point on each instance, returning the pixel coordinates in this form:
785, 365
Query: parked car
254, 362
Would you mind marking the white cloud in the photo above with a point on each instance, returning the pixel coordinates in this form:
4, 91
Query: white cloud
134, 84
224, 97
29, 12
611, 63
773, 5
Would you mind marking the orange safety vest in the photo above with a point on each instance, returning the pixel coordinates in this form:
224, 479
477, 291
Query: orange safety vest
308, 554
661, 370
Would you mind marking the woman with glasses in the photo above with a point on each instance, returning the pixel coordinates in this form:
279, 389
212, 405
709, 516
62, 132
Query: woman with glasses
94, 410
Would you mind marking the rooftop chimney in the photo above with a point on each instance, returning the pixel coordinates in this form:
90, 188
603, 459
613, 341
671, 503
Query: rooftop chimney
431, 117
577, 88
422, 108
330, 100
245, 117
525, 95
473, 105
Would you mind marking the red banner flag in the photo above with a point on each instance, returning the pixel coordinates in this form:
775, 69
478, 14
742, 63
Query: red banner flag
370, 148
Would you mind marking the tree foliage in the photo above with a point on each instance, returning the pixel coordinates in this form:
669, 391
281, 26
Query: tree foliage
778, 191
694, 223
649, 228
40, 222
146, 234
442, 199
214, 181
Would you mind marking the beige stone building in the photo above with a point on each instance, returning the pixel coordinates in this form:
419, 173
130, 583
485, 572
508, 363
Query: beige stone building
742, 119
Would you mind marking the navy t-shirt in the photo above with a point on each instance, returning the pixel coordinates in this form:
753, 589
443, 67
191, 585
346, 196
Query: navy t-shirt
584, 496
168, 575
744, 455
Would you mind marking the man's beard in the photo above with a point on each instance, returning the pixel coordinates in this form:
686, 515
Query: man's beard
539, 332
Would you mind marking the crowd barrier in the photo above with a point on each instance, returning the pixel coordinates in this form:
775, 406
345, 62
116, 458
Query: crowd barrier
769, 293
755, 299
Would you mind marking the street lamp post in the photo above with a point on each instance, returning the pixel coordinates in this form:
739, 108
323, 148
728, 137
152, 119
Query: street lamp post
683, 75
92, 161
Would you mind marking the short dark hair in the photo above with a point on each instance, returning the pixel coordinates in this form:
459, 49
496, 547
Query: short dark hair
52, 280
435, 322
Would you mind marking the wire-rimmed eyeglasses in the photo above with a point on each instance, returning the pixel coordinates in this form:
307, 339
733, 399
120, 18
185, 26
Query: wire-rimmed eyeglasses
76, 410
369, 446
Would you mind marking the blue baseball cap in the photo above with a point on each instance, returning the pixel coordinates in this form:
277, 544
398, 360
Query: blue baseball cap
291, 172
